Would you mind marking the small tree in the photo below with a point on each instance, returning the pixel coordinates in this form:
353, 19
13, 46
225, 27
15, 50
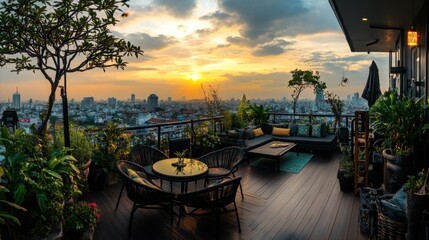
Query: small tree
301, 80
241, 112
57, 37
336, 105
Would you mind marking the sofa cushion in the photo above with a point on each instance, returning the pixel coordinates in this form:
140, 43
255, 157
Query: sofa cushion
303, 131
316, 130
234, 134
293, 129
281, 131
257, 132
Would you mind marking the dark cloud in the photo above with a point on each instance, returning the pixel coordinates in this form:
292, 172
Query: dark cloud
148, 42
275, 48
177, 8
260, 19
219, 18
261, 22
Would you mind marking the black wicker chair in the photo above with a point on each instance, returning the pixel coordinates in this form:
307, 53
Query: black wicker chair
214, 198
145, 156
222, 163
178, 145
143, 195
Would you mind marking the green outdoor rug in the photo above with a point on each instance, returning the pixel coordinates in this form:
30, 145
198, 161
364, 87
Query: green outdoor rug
290, 162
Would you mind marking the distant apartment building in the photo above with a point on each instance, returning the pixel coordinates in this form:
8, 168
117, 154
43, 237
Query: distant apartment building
152, 102
16, 100
87, 102
133, 98
355, 98
320, 99
111, 102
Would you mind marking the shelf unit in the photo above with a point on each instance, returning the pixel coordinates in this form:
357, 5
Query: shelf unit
361, 149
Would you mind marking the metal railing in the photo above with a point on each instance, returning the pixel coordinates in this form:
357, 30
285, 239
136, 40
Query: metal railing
158, 134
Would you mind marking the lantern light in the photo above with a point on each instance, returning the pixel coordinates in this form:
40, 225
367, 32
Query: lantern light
412, 37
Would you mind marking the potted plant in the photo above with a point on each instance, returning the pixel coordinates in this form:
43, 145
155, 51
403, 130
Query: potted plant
346, 170
81, 146
417, 189
111, 145
204, 139
399, 120
336, 105
41, 179
80, 220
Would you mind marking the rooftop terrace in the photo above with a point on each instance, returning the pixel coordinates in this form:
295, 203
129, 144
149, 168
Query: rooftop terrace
276, 205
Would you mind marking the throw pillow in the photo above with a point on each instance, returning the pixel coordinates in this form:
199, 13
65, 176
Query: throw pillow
257, 132
293, 130
233, 134
324, 131
135, 176
248, 133
303, 131
316, 130
284, 132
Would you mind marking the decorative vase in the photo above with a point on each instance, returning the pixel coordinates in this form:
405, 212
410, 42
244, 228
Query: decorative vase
84, 168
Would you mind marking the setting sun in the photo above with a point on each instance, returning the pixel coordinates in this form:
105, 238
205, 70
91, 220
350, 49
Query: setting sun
195, 77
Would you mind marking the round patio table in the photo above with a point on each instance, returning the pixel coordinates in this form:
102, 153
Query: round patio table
192, 170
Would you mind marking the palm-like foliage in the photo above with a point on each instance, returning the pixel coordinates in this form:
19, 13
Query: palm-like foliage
258, 114
399, 119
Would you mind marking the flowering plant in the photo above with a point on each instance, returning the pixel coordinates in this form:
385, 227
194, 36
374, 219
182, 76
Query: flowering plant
80, 216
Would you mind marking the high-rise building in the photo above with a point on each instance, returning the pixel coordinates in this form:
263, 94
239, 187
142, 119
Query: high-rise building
152, 102
111, 102
87, 102
320, 99
355, 98
133, 98
16, 100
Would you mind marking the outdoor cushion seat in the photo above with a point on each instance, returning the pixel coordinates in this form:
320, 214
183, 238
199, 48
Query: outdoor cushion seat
214, 198
217, 172
145, 157
142, 193
222, 163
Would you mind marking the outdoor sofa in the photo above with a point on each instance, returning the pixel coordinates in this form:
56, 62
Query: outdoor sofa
307, 137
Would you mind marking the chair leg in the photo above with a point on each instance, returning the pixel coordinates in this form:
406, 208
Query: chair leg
241, 188
180, 214
217, 223
120, 194
131, 217
238, 219
241, 191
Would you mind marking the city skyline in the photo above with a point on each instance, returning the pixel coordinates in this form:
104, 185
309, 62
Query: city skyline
239, 48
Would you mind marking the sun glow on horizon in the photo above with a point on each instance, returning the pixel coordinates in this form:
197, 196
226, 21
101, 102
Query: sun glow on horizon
195, 77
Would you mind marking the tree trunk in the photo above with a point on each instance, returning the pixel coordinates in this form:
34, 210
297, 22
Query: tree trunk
42, 129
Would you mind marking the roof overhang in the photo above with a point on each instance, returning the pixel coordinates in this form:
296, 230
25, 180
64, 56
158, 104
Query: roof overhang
387, 20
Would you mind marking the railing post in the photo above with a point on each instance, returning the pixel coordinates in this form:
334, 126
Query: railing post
159, 137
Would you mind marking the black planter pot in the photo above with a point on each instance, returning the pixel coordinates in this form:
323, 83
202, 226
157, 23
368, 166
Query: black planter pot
96, 178
346, 183
343, 135
416, 204
396, 170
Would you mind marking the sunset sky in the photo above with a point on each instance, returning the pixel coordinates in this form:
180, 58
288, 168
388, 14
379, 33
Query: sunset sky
239, 46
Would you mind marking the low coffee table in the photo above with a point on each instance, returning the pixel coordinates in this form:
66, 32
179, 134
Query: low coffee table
267, 151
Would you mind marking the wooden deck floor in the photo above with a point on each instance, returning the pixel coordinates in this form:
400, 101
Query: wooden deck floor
276, 205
